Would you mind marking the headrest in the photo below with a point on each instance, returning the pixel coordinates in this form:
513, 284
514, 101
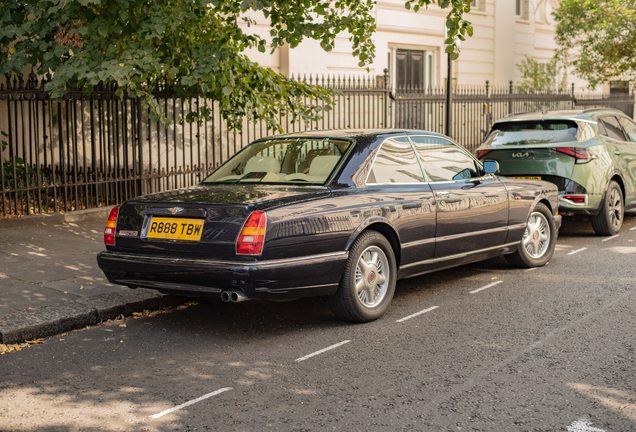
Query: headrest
262, 164
323, 165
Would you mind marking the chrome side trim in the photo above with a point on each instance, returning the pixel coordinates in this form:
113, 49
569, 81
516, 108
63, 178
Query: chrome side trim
418, 242
472, 233
457, 256
247, 264
458, 236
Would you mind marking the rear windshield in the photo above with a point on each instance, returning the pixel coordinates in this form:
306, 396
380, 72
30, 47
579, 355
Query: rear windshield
532, 132
297, 161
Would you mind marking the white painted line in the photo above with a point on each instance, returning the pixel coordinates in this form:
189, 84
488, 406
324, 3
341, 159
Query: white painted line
322, 350
632, 229
577, 251
193, 401
531, 269
486, 287
610, 238
583, 425
416, 314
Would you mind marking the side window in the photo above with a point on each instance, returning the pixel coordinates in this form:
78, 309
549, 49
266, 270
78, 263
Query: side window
613, 128
396, 163
629, 127
443, 160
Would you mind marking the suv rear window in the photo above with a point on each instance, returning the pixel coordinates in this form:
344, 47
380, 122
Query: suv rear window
532, 132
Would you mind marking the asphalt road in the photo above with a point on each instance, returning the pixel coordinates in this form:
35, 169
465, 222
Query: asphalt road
551, 349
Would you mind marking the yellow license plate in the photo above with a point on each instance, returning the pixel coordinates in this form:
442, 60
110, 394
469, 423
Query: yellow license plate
526, 178
175, 228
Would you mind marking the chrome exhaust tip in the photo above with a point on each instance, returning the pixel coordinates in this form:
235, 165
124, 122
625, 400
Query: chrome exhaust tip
234, 296
238, 296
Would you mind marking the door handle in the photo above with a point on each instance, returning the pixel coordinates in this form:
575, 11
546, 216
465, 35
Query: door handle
617, 153
443, 194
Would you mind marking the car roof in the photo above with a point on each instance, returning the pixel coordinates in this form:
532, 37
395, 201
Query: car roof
350, 133
586, 114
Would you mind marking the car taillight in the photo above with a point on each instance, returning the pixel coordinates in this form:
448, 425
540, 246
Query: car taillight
577, 199
482, 153
111, 224
580, 154
250, 239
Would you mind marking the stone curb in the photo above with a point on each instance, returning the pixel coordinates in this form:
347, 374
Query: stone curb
51, 320
95, 214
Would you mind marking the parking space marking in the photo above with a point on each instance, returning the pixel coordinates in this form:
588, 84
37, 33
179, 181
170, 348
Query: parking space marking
577, 251
486, 287
583, 425
193, 401
531, 269
322, 350
417, 313
632, 229
610, 238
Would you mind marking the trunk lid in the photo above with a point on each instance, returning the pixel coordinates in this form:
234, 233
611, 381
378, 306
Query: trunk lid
219, 212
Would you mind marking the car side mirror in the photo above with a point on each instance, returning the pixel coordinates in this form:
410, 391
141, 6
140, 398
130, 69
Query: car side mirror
491, 167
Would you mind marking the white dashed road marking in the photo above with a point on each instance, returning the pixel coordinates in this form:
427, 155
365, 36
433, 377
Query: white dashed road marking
632, 229
486, 287
322, 350
193, 401
610, 238
583, 425
577, 251
532, 268
416, 314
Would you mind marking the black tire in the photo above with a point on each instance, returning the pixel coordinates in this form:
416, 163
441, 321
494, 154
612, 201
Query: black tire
373, 297
534, 251
610, 218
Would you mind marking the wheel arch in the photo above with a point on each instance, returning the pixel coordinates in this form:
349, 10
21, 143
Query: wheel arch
383, 227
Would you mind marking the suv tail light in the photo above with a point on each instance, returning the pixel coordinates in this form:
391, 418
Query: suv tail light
250, 239
111, 224
576, 199
482, 153
580, 154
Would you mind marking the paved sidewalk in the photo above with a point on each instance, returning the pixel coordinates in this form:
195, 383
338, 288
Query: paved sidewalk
50, 282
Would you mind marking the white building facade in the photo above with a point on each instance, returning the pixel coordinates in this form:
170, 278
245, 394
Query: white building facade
411, 45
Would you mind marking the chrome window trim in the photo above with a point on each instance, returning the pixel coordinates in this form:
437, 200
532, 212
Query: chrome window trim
366, 181
476, 161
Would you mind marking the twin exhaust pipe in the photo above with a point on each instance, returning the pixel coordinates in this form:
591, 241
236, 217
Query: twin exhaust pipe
234, 296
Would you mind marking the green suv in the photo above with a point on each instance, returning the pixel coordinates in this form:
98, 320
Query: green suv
590, 155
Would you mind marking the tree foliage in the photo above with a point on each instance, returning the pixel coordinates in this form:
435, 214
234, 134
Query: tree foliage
197, 46
598, 37
539, 76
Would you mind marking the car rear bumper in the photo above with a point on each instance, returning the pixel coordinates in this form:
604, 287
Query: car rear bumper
308, 276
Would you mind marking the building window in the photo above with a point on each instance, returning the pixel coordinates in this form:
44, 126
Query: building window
478, 5
521, 8
409, 65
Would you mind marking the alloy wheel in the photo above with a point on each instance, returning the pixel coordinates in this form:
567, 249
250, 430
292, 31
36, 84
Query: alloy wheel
615, 209
372, 276
536, 238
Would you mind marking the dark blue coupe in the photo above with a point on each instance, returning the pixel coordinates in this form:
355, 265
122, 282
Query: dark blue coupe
342, 214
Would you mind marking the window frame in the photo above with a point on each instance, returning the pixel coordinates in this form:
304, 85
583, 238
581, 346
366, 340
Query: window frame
625, 138
366, 181
427, 181
477, 162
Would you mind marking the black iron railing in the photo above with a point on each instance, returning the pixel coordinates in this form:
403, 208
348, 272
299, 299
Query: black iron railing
91, 151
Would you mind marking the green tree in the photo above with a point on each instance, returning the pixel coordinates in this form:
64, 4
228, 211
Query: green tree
539, 76
198, 46
598, 37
